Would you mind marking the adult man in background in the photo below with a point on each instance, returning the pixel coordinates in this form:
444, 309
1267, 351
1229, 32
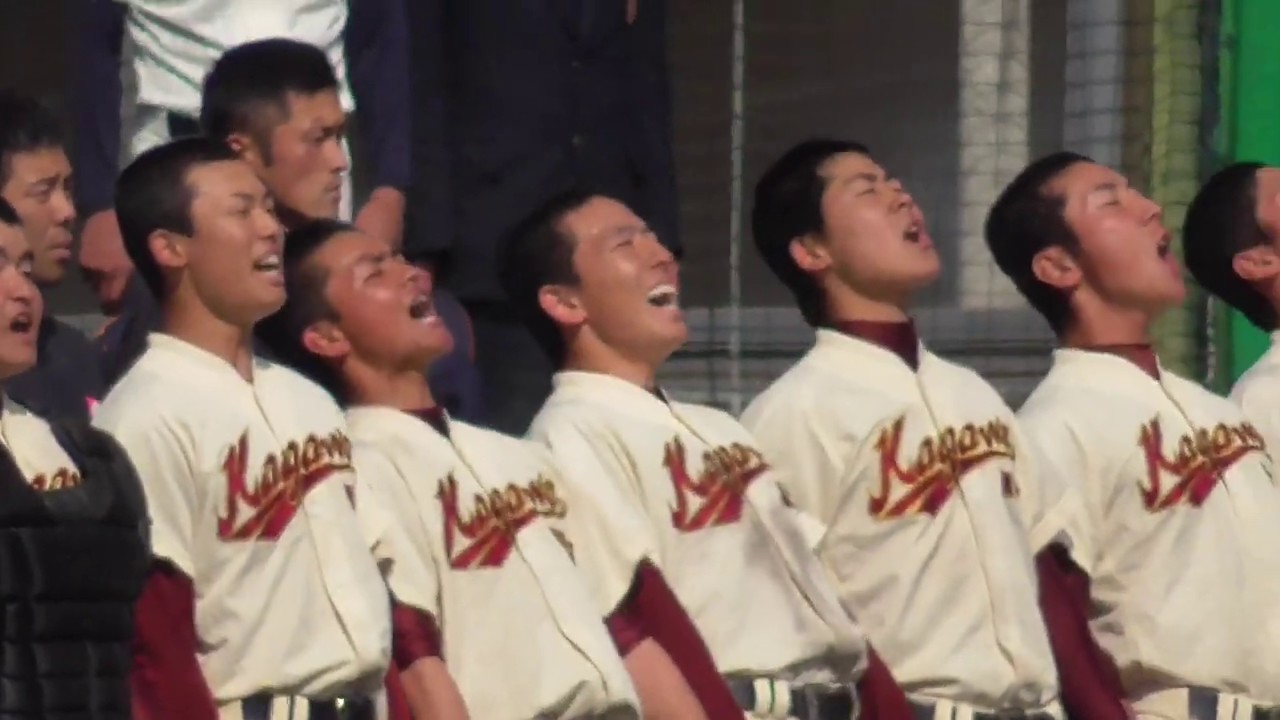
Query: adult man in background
35, 178
175, 44
515, 102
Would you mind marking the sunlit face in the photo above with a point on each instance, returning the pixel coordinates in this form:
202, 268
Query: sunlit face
874, 240
1125, 256
629, 288
383, 304
307, 163
232, 261
21, 306
39, 188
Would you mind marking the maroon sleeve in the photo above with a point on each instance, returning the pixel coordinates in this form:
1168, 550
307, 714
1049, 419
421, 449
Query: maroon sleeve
166, 678
625, 624
666, 621
414, 635
1090, 682
879, 693
397, 703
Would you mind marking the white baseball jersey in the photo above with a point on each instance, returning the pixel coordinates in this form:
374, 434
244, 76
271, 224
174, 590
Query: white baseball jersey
1257, 391
522, 634
176, 42
1177, 523
250, 490
39, 457
925, 493
685, 487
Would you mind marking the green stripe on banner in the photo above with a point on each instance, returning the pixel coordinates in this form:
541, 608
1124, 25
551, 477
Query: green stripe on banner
1251, 53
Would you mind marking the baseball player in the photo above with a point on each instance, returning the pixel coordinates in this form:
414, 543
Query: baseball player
1176, 498
911, 464
70, 534
686, 487
1231, 240
485, 509
264, 600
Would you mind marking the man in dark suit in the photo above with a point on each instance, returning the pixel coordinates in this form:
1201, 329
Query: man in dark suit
515, 101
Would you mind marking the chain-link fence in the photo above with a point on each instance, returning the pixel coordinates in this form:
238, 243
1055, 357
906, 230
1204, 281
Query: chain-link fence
954, 96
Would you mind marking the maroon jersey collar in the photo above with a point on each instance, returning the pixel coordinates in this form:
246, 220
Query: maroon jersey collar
1140, 354
899, 337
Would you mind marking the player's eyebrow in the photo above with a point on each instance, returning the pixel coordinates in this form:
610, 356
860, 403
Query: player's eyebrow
624, 232
869, 177
369, 258
1109, 186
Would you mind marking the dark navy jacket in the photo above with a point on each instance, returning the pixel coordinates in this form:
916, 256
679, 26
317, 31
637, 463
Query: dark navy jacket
515, 100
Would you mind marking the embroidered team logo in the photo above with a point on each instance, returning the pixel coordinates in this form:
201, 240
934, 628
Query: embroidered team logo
60, 479
262, 511
931, 475
714, 497
1197, 462
484, 535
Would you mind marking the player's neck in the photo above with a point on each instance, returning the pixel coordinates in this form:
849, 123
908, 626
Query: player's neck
198, 327
399, 389
1117, 329
847, 305
599, 358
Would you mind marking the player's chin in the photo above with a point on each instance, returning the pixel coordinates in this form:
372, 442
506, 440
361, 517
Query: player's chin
15, 357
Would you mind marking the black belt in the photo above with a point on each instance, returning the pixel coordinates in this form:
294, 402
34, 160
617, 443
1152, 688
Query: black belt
1202, 704
926, 712
258, 707
807, 702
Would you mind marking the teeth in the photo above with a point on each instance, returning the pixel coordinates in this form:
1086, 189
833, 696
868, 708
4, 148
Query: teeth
270, 262
663, 296
421, 308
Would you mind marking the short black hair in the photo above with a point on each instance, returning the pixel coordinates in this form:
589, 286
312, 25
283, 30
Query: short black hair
1221, 223
305, 304
154, 193
538, 252
788, 205
26, 125
247, 89
1026, 219
9, 216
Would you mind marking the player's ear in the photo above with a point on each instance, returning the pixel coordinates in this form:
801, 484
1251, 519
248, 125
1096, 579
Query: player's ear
326, 339
562, 304
1257, 264
168, 248
809, 253
247, 148
1056, 267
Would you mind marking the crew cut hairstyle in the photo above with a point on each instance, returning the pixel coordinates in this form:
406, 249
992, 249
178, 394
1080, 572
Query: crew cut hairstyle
539, 252
788, 206
1221, 223
305, 304
154, 193
247, 90
1026, 219
26, 125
